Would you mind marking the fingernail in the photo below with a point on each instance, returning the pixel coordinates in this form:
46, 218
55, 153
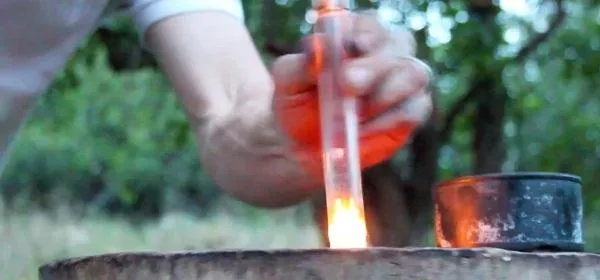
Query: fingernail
359, 78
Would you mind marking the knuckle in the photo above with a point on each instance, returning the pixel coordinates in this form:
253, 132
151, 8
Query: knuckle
366, 16
368, 30
280, 63
403, 41
395, 89
419, 75
422, 106
286, 63
388, 96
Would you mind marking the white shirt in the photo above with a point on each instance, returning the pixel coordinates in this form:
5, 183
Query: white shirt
37, 37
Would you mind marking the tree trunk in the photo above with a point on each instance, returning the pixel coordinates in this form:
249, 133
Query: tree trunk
424, 163
319, 208
488, 140
389, 218
488, 122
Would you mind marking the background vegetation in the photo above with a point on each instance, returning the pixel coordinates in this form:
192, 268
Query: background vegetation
108, 151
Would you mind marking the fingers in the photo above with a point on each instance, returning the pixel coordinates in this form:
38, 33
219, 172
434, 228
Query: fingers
391, 89
368, 34
409, 114
291, 75
368, 38
382, 82
381, 50
295, 104
382, 137
403, 79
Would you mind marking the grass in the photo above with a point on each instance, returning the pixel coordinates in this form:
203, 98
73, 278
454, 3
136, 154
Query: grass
28, 240
32, 239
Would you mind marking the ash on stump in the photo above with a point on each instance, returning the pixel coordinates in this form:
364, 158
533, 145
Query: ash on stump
372, 263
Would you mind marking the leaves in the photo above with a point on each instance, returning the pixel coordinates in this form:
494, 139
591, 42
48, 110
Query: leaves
119, 130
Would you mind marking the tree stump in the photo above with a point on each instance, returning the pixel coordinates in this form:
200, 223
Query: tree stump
371, 263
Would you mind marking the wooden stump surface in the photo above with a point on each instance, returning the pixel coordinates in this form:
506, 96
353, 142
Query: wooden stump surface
371, 263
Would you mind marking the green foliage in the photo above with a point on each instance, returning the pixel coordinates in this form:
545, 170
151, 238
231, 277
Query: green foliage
115, 141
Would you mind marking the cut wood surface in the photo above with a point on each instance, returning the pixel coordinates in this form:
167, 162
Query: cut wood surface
371, 263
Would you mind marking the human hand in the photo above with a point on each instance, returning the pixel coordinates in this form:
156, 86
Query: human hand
391, 86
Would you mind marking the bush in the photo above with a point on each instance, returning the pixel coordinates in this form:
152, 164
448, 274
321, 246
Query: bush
114, 141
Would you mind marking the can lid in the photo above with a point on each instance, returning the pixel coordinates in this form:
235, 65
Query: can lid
328, 4
509, 176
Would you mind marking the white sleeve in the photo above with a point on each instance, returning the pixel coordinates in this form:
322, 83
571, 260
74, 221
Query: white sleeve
37, 37
147, 12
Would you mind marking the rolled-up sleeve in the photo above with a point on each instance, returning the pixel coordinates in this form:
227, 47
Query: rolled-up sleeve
148, 12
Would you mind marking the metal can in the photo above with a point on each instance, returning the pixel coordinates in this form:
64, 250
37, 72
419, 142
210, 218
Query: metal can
526, 211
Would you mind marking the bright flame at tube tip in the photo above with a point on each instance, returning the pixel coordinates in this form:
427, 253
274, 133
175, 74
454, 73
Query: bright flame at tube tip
347, 228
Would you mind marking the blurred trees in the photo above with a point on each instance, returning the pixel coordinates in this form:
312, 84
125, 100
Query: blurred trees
516, 90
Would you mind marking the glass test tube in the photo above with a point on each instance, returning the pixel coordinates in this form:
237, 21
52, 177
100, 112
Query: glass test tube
339, 130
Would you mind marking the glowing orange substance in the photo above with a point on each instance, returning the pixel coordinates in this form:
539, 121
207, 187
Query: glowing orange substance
347, 228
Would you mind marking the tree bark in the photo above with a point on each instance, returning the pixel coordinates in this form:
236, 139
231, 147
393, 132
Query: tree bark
377, 263
319, 208
389, 220
488, 119
424, 175
488, 141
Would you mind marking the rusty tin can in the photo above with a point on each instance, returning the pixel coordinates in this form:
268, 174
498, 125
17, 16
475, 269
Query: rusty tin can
528, 211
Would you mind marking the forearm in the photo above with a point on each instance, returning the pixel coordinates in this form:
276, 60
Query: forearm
226, 91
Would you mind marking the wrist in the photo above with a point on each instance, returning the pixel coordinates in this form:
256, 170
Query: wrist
250, 158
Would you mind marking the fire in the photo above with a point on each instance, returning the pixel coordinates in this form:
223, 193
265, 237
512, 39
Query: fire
347, 228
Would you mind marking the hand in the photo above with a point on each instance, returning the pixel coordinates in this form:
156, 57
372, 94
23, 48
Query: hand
391, 86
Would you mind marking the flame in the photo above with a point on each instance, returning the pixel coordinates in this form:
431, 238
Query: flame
455, 204
347, 227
